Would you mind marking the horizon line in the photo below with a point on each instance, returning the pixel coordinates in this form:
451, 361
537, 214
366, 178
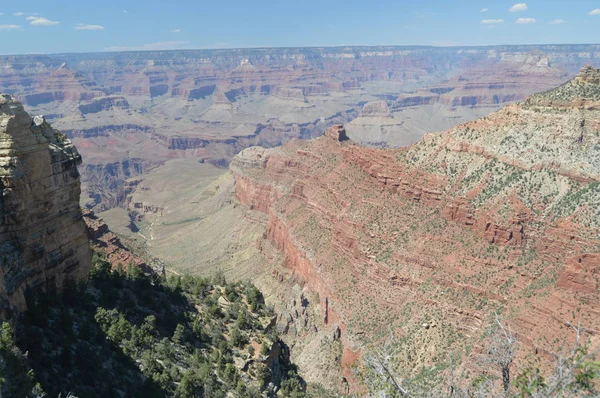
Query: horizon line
354, 46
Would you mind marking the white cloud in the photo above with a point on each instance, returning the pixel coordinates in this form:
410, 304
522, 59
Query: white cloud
9, 27
41, 21
492, 21
83, 26
484, 10
161, 45
518, 7
19, 14
523, 21
595, 12
557, 22
176, 31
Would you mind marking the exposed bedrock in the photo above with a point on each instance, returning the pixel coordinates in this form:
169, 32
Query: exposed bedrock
58, 96
498, 215
43, 239
106, 130
110, 245
107, 183
376, 109
104, 104
290, 93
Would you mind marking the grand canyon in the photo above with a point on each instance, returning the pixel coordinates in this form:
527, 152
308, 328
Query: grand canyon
408, 196
130, 112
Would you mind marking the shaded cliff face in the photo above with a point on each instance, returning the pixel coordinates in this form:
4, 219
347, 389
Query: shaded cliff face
496, 215
43, 239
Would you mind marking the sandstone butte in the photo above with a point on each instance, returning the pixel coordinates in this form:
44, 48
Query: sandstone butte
43, 238
499, 215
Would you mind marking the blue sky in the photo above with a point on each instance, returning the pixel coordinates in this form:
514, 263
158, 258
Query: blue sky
43, 26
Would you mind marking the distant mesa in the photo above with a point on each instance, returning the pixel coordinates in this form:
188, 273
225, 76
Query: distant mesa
245, 66
290, 93
100, 104
376, 109
250, 158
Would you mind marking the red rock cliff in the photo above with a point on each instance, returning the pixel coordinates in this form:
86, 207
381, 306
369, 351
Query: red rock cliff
496, 215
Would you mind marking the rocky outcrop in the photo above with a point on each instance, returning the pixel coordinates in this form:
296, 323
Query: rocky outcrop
108, 185
315, 90
290, 93
337, 132
110, 245
499, 215
376, 109
107, 131
203, 92
43, 240
584, 88
104, 104
409, 100
250, 158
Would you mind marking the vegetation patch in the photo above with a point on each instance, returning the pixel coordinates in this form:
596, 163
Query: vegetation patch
126, 334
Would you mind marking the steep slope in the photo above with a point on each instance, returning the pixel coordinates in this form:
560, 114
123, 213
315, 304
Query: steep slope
186, 337
43, 239
499, 215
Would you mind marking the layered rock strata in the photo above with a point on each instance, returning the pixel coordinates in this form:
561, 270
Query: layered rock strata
110, 245
499, 215
43, 239
149, 107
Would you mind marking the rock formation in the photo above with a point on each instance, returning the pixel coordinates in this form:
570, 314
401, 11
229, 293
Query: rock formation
43, 239
110, 246
376, 109
337, 132
104, 104
149, 107
377, 126
500, 215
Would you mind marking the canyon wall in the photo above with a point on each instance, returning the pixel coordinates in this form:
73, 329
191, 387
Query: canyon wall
429, 242
149, 107
43, 238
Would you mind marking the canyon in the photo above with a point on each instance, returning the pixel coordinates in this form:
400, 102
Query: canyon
61, 266
495, 216
129, 113
429, 242
363, 225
